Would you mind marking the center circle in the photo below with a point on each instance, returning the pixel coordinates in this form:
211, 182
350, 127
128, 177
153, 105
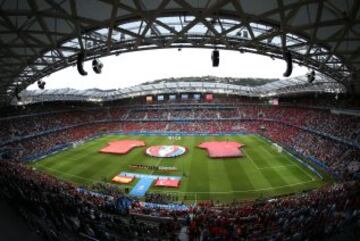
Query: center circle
166, 151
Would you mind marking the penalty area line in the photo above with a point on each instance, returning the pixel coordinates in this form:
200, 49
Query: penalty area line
182, 192
251, 160
275, 167
66, 174
242, 191
301, 167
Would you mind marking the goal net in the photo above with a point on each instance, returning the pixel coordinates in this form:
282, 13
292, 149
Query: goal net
77, 143
277, 147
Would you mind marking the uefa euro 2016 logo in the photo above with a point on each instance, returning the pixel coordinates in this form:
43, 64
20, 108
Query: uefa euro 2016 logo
166, 151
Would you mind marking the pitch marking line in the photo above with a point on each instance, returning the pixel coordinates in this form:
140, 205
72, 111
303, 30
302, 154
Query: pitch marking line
301, 167
67, 174
252, 161
280, 166
160, 159
271, 167
288, 156
181, 192
306, 173
243, 191
275, 167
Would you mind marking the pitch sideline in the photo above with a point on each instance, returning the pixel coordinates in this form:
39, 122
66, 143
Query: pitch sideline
182, 192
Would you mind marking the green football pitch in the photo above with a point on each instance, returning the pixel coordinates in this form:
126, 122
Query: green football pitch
262, 172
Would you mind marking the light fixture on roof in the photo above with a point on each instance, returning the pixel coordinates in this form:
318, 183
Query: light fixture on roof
288, 58
17, 96
310, 76
80, 63
245, 34
215, 58
97, 66
41, 84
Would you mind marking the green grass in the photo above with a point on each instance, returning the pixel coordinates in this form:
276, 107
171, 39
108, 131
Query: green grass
262, 172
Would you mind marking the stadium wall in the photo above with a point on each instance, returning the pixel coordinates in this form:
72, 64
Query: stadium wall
349, 143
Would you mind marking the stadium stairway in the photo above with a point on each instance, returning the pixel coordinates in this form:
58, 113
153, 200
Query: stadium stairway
349, 233
344, 155
183, 234
358, 139
13, 226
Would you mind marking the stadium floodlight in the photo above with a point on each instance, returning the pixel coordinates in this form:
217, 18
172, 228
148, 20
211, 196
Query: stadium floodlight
17, 96
97, 66
311, 76
215, 58
288, 58
41, 84
80, 62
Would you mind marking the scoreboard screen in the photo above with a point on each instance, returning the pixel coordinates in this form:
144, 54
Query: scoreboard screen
184, 96
149, 98
209, 97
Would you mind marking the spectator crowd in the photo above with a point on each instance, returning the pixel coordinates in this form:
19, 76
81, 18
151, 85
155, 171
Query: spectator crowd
59, 211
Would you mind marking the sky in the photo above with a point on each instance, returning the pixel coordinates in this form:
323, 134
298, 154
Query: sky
129, 69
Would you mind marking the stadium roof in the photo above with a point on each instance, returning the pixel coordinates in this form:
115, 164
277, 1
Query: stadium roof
39, 37
185, 85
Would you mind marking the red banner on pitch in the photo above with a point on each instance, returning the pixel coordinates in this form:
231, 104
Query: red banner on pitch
121, 147
167, 183
123, 179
